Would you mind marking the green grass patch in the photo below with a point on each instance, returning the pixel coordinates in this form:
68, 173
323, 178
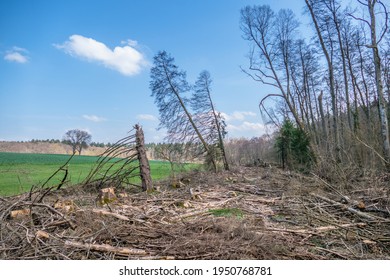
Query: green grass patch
19, 172
227, 212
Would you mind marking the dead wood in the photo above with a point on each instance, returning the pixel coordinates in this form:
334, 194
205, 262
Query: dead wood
192, 214
287, 223
107, 213
144, 167
318, 230
349, 208
106, 248
343, 226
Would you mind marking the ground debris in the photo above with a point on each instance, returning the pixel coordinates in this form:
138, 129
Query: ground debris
254, 214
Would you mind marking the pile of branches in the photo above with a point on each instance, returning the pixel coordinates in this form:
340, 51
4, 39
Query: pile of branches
333, 221
247, 213
169, 224
35, 225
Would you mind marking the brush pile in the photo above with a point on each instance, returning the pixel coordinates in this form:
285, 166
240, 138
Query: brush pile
247, 213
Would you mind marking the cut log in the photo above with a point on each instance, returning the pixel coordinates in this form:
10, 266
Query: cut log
66, 205
106, 248
106, 196
42, 234
17, 214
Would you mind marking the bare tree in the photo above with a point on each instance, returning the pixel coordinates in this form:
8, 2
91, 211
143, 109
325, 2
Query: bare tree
175, 154
316, 10
271, 55
206, 115
77, 139
371, 23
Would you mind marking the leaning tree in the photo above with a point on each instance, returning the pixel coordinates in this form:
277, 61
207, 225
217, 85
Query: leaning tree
206, 115
169, 85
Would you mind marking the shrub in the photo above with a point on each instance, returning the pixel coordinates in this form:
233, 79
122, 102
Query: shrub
293, 146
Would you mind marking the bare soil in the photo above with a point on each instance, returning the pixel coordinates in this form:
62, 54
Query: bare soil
247, 213
45, 148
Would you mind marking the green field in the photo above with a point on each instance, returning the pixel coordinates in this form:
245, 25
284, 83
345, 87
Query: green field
19, 172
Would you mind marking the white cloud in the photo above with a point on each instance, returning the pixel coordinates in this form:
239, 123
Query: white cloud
238, 115
247, 126
94, 118
16, 54
129, 42
146, 117
127, 60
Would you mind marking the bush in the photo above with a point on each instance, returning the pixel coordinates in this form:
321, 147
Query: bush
293, 146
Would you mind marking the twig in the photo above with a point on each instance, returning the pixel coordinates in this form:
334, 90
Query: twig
72, 226
194, 213
55, 173
331, 252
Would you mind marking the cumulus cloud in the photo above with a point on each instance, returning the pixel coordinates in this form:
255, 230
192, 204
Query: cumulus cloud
238, 115
16, 54
126, 59
146, 117
94, 118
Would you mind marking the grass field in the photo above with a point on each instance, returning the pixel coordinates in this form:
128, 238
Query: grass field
19, 172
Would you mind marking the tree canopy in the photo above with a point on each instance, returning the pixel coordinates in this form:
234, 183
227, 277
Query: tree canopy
77, 139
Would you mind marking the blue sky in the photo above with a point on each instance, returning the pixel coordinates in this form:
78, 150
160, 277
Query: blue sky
86, 64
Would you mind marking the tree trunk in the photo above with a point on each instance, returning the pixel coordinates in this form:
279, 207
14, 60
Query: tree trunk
144, 167
342, 54
323, 123
220, 137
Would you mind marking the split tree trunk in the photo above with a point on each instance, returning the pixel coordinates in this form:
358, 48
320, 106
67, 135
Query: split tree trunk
144, 166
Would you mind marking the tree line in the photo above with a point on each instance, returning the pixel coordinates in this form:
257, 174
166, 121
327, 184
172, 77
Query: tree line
332, 90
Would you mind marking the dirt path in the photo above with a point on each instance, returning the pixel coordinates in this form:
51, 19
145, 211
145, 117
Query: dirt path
248, 213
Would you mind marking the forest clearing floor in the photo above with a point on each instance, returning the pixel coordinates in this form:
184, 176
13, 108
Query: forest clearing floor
246, 213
